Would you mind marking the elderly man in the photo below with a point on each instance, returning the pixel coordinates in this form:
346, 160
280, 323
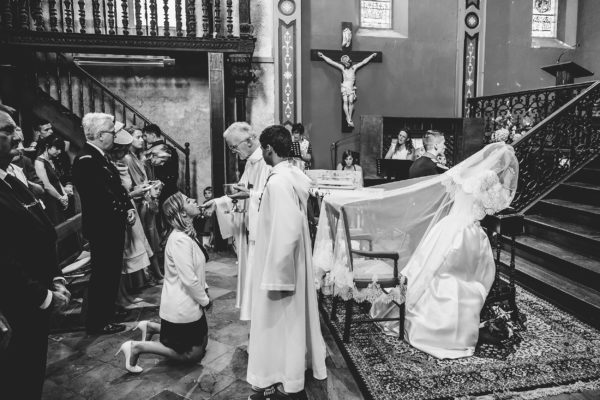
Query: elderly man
106, 210
32, 282
242, 141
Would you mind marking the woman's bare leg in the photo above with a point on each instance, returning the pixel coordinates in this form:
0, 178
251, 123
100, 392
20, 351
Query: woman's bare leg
195, 354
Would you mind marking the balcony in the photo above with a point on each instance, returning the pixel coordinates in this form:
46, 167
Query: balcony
128, 26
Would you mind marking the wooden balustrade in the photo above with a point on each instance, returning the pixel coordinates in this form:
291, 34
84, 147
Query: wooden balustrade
127, 20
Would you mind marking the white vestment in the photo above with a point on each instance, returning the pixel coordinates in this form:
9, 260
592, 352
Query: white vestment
285, 334
242, 226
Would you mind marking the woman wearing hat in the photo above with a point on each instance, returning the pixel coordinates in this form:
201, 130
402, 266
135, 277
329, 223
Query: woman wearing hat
137, 252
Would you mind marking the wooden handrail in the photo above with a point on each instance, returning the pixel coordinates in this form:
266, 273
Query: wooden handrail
119, 99
556, 148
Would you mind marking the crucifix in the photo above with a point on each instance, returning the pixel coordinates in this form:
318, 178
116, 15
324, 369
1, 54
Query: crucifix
344, 60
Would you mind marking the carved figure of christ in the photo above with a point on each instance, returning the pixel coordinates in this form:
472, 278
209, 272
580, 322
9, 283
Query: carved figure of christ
348, 89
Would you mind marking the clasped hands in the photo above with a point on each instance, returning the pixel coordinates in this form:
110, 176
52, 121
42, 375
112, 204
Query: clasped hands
60, 296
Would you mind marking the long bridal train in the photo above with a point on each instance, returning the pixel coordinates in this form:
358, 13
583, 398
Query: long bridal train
444, 253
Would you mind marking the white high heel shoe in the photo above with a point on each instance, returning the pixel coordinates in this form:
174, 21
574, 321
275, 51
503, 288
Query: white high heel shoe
142, 326
126, 350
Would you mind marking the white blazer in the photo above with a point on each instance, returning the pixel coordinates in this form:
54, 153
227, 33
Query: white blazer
184, 287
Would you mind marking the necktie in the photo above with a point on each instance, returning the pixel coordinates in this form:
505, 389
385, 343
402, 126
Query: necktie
26, 198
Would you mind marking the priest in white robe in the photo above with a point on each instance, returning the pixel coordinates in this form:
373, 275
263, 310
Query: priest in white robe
285, 334
242, 140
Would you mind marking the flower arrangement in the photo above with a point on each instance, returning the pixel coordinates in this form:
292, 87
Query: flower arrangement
509, 129
502, 327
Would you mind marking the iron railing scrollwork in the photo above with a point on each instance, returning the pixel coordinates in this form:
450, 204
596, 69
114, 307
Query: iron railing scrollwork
526, 108
84, 94
558, 146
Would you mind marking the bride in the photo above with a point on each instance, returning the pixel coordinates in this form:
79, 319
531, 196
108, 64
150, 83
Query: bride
444, 253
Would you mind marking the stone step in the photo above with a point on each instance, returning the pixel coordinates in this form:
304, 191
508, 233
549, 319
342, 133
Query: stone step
578, 213
588, 174
560, 260
576, 237
571, 296
580, 192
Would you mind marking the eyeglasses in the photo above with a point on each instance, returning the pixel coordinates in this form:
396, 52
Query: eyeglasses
235, 146
113, 132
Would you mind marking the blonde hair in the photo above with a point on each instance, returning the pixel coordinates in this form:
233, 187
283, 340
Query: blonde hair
175, 215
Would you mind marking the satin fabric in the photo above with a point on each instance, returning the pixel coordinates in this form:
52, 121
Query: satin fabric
449, 277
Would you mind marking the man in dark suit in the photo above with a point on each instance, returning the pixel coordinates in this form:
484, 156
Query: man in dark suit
32, 282
427, 164
106, 210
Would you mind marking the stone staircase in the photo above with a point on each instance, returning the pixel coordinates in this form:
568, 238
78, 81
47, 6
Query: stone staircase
558, 257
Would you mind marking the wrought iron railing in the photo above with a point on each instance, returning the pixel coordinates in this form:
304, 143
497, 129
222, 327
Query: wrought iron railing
176, 18
81, 93
525, 109
558, 146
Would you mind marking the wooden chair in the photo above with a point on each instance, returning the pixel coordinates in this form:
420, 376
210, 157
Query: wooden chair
387, 276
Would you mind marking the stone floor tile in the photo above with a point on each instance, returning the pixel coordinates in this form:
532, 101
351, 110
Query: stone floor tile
232, 334
238, 390
227, 269
215, 350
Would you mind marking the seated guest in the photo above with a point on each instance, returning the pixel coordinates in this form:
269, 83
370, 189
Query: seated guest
305, 147
401, 148
183, 329
56, 198
434, 144
348, 163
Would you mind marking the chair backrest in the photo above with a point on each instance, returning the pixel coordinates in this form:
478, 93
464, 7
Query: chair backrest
332, 224
348, 238
69, 241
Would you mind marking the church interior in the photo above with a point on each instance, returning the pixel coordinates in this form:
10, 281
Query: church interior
513, 79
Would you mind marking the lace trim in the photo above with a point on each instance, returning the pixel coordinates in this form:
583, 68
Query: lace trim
371, 293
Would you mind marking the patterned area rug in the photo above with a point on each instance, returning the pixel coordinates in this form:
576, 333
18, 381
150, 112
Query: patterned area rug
557, 349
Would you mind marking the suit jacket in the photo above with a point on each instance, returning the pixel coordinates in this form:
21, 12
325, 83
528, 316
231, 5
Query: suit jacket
423, 166
104, 201
28, 259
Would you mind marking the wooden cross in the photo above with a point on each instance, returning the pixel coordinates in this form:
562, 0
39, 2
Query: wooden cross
338, 58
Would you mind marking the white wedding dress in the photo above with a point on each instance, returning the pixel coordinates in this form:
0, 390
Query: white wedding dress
433, 226
451, 272
444, 321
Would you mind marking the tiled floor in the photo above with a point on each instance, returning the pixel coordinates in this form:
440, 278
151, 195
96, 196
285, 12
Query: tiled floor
82, 366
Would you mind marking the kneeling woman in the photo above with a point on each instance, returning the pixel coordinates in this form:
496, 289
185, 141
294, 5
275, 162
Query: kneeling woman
183, 329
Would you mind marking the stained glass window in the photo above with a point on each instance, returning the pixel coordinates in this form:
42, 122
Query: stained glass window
376, 14
544, 18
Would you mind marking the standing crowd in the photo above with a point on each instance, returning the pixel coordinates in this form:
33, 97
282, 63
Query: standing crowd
124, 180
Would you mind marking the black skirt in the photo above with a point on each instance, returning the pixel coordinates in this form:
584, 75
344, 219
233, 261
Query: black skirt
182, 337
